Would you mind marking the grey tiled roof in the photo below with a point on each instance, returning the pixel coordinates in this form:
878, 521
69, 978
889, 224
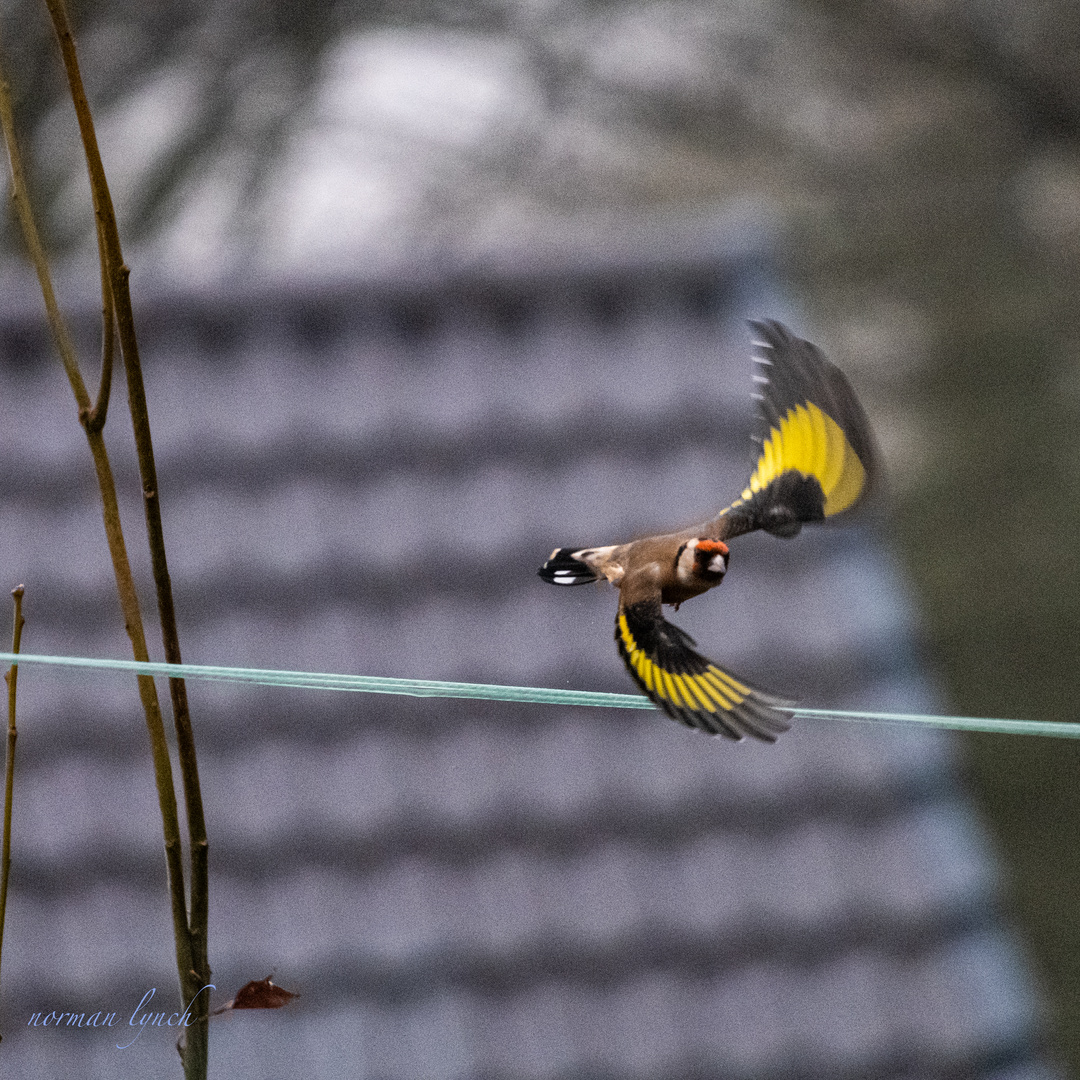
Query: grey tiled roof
365, 479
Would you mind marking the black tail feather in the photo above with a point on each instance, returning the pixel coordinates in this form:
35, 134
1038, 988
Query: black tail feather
562, 568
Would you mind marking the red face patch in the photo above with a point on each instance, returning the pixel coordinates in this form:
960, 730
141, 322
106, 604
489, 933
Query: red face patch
712, 547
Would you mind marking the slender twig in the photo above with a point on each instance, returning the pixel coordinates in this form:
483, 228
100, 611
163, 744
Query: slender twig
118, 272
129, 603
125, 582
9, 769
36, 251
198, 974
95, 421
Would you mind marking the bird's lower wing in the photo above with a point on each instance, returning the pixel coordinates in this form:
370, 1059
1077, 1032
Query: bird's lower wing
688, 687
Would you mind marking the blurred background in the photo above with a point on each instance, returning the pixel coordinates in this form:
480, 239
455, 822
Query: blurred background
913, 171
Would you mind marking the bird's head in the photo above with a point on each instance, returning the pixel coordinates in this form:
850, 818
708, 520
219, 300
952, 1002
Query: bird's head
703, 560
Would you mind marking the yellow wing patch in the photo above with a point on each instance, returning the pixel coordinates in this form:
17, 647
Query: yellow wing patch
810, 441
710, 690
690, 688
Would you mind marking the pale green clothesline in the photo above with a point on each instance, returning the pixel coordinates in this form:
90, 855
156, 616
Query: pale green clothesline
373, 684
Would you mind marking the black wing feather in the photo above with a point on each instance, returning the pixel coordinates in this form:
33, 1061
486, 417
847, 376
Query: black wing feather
817, 453
667, 668
799, 372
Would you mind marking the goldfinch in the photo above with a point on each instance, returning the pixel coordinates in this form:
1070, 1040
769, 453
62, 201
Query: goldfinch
817, 460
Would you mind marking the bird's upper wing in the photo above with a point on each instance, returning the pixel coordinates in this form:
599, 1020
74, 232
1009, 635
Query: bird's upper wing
661, 659
817, 453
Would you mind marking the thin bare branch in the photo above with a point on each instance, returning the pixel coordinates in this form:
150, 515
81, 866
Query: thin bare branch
198, 973
96, 419
118, 552
9, 769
